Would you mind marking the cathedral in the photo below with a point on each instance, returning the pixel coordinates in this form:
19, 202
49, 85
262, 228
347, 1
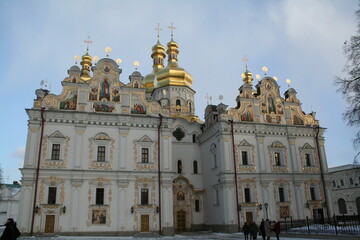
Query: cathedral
114, 157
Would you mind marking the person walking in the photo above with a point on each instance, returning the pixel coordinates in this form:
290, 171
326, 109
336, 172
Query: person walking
262, 229
267, 229
11, 232
253, 230
277, 229
246, 230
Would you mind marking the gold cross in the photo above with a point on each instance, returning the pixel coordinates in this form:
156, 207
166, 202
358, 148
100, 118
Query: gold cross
245, 59
88, 42
158, 29
208, 99
172, 27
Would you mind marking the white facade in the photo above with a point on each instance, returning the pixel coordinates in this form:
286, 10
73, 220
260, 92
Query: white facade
103, 141
346, 189
9, 201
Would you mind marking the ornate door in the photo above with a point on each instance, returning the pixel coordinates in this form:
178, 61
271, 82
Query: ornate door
144, 223
181, 221
49, 223
249, 217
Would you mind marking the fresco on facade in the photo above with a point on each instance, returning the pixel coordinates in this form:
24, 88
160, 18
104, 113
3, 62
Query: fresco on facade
103, 107
70, 101
105, 89
99, 217
115, 95
247, 116
284, 211
136, 106
93, 94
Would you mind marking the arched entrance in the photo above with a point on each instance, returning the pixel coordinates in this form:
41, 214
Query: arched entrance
184, 201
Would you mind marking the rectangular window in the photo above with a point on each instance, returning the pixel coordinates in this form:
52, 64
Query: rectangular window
197, 205
244, 158
144, 196
55, 153
281, 194
307, 159
99, 196
145, 155
217, 198
247, 195
52, 195
312, 193
215, 161
277, 159
101, 154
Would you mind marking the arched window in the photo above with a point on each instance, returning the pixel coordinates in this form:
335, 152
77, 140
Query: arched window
136, 85
342, 182
351, 181
179, 166
195, 167
194, 138
213, 153
178, 105
334, 183
357, 202
342, 206
197, 205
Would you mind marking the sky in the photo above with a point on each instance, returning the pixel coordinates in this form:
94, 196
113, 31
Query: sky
297, 39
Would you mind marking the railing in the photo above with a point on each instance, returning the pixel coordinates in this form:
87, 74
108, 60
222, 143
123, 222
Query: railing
337, 225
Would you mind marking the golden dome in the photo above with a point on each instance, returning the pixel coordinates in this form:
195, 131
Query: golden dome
86, 64
247, 77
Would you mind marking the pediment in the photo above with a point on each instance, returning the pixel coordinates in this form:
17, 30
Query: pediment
307, 146
145, 138
244, 143
57, 134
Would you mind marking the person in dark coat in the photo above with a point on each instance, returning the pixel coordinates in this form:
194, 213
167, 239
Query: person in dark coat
254, 230
277, 229
262, 229
11, 232
246, 230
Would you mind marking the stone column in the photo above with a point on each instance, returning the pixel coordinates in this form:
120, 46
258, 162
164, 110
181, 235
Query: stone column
32, 147
122, 146
294, 163
167, 208
262, 163
78, 145
124, 211
75, 204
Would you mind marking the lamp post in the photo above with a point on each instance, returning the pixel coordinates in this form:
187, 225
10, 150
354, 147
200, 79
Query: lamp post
266, 209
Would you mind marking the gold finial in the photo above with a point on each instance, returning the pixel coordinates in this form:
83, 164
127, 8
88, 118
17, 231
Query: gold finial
136, 64
108, 50
288, 81
265, 69
245, 59
88, 42
208, 99
158, 29
76, 58
172, 27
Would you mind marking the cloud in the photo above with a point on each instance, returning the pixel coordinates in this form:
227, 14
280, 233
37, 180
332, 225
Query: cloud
19, 153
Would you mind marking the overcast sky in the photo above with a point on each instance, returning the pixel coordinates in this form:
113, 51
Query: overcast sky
297, 39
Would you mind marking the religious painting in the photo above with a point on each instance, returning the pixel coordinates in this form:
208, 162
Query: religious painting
180, 196
103, 106
93, 94
70, 101
115, 95
136, 106
99, 217
105, 89
284, 211
271, 105
247, 116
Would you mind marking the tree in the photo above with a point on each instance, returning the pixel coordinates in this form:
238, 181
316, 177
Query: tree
350, 86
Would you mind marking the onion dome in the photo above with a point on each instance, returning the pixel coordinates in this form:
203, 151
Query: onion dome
86, 64
247, 77
173, 74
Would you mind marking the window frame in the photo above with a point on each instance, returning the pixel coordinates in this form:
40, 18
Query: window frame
55, 151
52, 195
100, 196
145, 155
144, 196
